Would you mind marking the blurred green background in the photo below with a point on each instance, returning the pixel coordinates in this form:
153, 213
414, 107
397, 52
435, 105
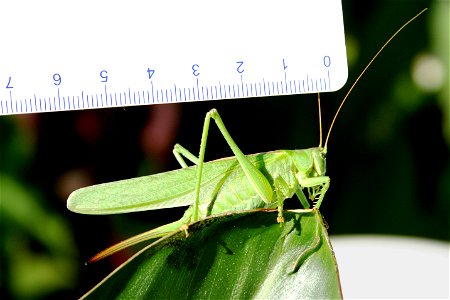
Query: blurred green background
388, 157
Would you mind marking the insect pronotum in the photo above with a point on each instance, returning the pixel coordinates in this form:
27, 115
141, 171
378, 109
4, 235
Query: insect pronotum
230, 184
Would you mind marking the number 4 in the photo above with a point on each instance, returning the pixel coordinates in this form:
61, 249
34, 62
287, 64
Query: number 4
150, 73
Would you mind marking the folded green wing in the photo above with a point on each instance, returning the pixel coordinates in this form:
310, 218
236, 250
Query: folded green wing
163, 190
169, 189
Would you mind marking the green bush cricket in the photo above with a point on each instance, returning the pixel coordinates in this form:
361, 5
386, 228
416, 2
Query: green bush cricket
242, 182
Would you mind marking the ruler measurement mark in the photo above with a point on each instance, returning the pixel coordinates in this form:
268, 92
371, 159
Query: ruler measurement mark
11, 98
173, 94
106, 97
285, 80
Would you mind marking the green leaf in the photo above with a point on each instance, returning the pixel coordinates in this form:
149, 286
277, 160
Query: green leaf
235, 256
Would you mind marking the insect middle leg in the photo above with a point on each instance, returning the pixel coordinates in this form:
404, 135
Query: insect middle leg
281, 189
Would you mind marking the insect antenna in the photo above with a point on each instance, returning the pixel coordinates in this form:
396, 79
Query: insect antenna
364, 70
320, 120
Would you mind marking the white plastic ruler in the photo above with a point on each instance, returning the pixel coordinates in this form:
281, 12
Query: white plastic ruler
69, 55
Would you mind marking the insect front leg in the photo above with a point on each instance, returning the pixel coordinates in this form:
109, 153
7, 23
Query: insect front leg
320, 181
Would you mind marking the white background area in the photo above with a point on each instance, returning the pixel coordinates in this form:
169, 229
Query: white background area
392, 267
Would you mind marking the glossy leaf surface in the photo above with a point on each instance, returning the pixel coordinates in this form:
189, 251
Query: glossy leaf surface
237, 256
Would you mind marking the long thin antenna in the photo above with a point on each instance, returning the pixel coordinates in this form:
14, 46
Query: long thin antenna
365, 69
320, 119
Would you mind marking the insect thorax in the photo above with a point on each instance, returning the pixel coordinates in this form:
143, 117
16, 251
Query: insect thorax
309, 162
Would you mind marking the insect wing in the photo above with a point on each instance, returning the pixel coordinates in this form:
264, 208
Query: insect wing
163, 190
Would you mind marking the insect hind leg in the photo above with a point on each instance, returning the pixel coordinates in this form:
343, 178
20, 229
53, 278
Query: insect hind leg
256, 179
